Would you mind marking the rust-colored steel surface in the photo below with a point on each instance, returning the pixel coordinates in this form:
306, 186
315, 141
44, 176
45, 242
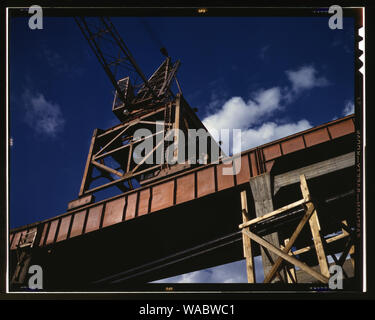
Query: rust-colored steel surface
182, 187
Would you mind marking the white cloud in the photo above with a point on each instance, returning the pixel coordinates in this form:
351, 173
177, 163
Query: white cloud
349, 108
270, 131
262, 52
55, 60
234, 272
45, 117
305, 78
60, 64
236, 113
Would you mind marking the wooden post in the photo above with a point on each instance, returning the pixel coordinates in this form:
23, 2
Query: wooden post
351, 251
286, 256
315, 231
247, 252
262, 194
291, 274
293, 238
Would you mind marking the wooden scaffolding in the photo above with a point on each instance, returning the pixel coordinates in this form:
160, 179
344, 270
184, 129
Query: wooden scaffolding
284, 267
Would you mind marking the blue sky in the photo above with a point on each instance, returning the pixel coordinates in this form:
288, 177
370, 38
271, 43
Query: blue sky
270, 77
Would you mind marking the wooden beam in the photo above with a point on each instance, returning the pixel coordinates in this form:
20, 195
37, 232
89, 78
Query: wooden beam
329, 240
314, 170
315, 231
261, 188
343, 235
291, 270
269, 257
285, 256
351, 252
273, 213
247, 251
345, 253
293, 238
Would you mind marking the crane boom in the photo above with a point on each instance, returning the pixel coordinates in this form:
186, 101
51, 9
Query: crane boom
100, 32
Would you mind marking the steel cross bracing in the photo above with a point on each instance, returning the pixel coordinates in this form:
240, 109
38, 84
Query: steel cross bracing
116, 148
113, 54
113, 152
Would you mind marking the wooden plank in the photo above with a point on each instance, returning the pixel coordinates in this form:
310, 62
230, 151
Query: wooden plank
315, 231
329, 240
273, 213
310, 210
285, 256
271, 261
247, 252
345, 253
351, 252
291, 270
314, 170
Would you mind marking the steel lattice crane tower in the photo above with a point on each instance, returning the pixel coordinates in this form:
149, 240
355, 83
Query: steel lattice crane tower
139, 102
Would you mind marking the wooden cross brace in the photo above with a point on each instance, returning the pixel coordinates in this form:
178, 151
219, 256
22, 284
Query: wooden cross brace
311, 216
